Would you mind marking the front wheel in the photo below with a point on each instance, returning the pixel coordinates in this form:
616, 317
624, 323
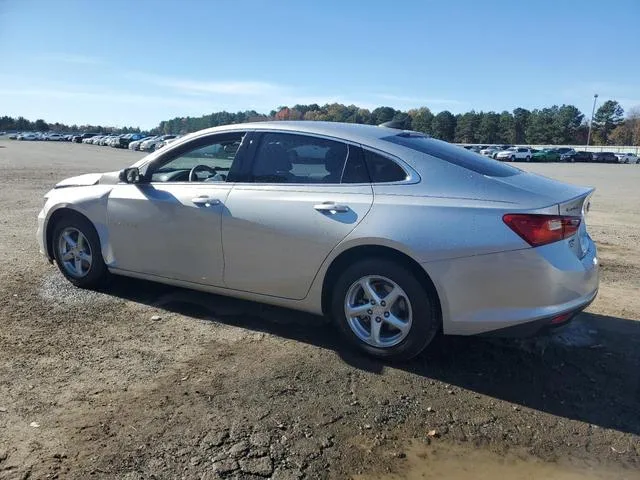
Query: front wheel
528, 159
384, 310
513, 158
76, 249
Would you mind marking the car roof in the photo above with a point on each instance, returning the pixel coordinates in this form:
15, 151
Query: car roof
354, 132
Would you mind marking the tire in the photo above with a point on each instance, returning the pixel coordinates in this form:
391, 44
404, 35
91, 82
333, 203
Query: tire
423, 316
513, 158
94, 272
528, 159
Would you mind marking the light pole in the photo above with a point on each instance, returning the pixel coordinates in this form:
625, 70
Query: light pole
595, 97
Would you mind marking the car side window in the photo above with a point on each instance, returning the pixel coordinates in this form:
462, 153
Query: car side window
292, 158
382, 169
203, 160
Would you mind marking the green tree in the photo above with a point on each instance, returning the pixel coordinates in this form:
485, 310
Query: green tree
488, 127
541, 128
382, 114
41, 126
444, 126
467, 127
521, 117
421, 119
567, 122
607, 118
506, 132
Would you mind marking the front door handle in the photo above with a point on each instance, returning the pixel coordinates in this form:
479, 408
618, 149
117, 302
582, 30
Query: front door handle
206, 200
331, 207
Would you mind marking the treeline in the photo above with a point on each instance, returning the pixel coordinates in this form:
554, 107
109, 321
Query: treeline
556, 125
21, 124
559, 125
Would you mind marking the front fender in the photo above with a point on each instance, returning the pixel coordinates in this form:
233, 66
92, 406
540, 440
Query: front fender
89, 201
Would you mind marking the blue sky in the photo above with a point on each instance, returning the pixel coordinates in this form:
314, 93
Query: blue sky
138, 62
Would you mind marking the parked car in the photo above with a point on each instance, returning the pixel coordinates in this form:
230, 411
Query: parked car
605, 157
164, 143
13, 136
578, 156
627, 158
515, 153
103, 141
473, 148
135, 145
151, 144
125, 140
339, 219
28, 136
565, 151
546, 155
113, 141
81, 137
54, 137
490, 151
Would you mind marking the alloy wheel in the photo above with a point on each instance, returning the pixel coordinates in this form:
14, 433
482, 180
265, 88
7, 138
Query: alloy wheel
378, 311
74, 252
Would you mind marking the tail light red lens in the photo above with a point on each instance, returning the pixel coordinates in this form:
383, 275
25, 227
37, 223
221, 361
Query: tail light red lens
539, 230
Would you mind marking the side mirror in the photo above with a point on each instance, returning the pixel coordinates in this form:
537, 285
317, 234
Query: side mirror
130, 175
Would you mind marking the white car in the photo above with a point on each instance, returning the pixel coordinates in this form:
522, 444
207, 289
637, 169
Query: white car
54, 137
153, 143
164, 143
627, 158
490, 152
515, 153
135, 145
28, 136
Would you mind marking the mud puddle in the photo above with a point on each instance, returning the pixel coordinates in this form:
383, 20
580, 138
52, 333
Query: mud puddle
455, 462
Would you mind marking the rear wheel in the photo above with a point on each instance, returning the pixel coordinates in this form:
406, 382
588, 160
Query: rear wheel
528, 159
513, 158
382, 309
76, 248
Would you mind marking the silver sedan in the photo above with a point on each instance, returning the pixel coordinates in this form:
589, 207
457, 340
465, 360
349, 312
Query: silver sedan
393, 234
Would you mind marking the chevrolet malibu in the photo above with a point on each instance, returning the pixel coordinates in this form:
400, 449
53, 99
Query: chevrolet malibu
394, 235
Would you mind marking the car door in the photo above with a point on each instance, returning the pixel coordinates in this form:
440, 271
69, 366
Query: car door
302, 196
169, 225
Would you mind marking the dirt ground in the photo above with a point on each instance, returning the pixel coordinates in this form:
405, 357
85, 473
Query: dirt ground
92, 387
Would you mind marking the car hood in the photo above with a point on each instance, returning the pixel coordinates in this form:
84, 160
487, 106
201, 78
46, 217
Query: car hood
88, 179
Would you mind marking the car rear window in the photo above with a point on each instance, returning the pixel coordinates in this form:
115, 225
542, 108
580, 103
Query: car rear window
452, 154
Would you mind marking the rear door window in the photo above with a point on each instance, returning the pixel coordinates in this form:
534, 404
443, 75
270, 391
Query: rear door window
291, 158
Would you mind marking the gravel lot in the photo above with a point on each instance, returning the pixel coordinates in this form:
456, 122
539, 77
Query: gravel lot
92, 387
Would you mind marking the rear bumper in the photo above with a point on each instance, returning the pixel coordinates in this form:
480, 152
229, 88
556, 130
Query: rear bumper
535, 327
496, 292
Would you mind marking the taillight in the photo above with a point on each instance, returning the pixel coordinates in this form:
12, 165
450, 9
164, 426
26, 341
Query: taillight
539, 230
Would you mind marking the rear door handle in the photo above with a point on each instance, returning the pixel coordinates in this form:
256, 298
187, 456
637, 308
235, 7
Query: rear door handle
206, 200
331, 207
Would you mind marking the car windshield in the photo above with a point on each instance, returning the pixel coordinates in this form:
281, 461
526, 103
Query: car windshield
452, 154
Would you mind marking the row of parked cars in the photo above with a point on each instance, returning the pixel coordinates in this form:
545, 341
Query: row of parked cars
508, 153
132, 141
33, 136
135, 141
